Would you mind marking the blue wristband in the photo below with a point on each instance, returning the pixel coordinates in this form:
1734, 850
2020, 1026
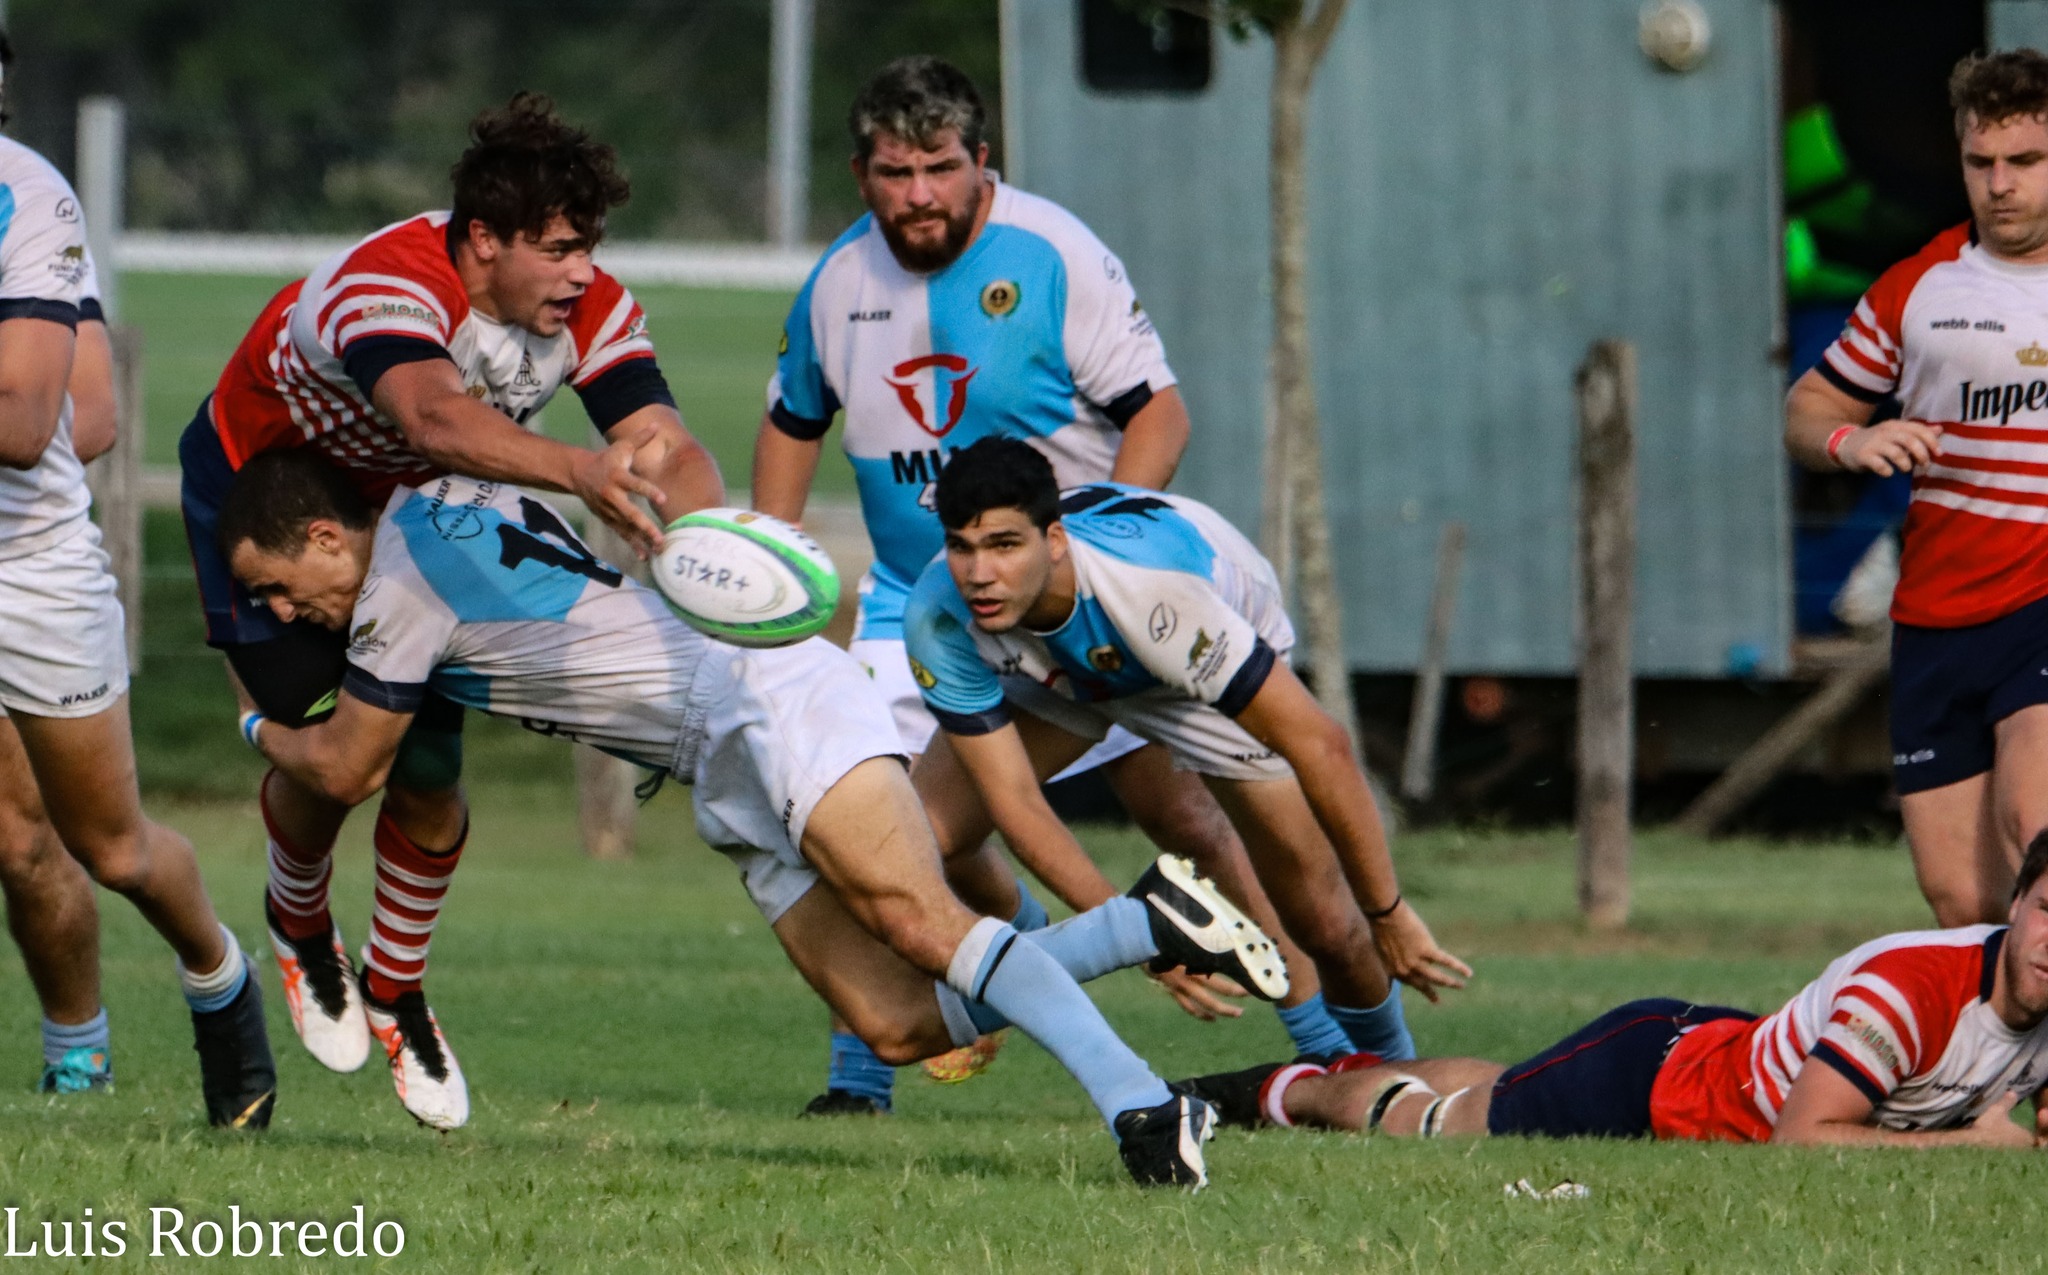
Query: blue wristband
250, 721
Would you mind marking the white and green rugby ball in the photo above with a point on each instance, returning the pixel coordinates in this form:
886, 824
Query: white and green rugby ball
746, 578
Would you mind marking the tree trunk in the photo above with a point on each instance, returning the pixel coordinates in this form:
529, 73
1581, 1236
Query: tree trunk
1295, 446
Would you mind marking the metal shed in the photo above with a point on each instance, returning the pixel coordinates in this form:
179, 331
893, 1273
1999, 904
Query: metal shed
1494, 186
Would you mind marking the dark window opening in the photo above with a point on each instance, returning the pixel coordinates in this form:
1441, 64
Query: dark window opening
1126, 51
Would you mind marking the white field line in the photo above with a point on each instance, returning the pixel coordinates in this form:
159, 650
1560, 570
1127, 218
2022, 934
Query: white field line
746, 266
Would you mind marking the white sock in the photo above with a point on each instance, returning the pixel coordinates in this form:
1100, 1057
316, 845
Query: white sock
214, 989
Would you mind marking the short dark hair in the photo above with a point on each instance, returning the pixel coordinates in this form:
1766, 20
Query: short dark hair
2033, 864
1999, 87
277, 495
997, 473
524, 167
915, 99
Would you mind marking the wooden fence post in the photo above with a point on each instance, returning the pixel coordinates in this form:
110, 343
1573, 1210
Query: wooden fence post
1418, 764
116, 483
606, 811
1607, 551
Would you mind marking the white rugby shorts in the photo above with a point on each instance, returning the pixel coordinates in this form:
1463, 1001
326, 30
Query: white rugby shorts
1199, 738
889, 665
781, 728
63, 636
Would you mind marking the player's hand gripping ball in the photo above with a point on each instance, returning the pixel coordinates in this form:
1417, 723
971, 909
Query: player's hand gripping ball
746, 578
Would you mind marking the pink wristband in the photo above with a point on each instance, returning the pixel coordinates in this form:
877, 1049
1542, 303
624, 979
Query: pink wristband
1835, 443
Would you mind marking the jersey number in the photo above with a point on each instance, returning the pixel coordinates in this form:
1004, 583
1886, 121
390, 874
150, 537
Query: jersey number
520, 544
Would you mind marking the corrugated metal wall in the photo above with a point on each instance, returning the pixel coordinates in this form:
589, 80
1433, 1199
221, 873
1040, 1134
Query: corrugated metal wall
1495, 186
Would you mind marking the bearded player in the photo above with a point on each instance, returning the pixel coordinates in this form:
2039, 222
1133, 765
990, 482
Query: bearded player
958, 308
484, 593
425, 349
1918, 1039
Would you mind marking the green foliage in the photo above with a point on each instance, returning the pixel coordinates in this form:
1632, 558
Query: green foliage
347, 116
637, 1047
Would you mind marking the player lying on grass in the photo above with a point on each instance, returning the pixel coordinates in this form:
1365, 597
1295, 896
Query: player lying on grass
1919, 1039
426, 348
67, 757
484, 594
1052, 616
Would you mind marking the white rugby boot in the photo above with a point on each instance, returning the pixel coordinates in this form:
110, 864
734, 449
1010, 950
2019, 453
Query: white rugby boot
1194, 926
423, 1068
320, 990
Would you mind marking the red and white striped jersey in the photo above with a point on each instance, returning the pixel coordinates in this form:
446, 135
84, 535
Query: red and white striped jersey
289, 385
1961, 337
1904, 1018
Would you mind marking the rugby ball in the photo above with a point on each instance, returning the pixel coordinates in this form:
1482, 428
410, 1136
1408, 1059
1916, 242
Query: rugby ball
746, 578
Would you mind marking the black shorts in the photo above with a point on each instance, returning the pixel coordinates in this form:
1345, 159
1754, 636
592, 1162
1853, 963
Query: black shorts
293, 671
1951, 688
1595, 1083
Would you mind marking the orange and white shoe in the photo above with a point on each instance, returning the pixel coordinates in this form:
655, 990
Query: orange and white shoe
320, 989
966, 1062
423, 1069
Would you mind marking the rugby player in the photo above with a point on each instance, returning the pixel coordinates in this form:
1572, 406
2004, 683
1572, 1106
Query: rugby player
960, 307
426, 348
1917, 1039
67, 759
1958, 334
1051, 617
482, 593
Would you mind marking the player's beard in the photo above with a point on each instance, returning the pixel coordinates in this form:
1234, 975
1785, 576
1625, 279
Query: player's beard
926, 259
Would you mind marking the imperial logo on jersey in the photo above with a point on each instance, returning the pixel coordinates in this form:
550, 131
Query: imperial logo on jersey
288, 384
1946, 331
1029, 334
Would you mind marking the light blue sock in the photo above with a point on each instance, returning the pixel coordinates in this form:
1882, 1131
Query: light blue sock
206, 993
1109, 936
1380, 1030
1312, 1030
857, 1070
60, 1038
1031, 914
995, 966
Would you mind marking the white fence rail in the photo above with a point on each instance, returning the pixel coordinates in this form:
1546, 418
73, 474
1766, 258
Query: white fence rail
753, 267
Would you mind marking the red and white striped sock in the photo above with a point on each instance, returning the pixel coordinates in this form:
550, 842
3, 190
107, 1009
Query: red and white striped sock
411, 884
298, 878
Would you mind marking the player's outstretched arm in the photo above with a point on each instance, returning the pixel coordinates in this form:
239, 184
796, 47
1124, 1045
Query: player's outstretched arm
1001, 771
463, 435
784, 467
35, 366
1154, 441
1283, 716
344, 758
1817, 410
1826, 1109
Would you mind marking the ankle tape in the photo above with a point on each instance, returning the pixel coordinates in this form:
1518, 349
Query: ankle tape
1273, 1094
1391, 1091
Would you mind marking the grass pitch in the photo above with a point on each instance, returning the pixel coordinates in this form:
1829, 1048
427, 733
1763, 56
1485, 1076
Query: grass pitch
637, 1048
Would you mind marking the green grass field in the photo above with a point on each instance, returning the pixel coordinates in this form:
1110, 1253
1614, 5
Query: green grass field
636, 1049
636, 1046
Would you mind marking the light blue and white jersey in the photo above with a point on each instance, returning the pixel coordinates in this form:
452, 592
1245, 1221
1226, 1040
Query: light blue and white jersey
45, 273
484, 594
1034, 332
1169, 596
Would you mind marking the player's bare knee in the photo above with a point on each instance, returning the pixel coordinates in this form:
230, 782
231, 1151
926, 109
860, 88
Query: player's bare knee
119, 862
1330, 932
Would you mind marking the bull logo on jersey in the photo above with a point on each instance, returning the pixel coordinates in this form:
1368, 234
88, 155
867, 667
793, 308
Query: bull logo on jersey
904, 379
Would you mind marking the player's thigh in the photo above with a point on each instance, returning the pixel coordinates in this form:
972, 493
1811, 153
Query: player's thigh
1958, 852
85, 770
868, 839
21, 804
2019, 778
1294, 860
882, 997
1173, 807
